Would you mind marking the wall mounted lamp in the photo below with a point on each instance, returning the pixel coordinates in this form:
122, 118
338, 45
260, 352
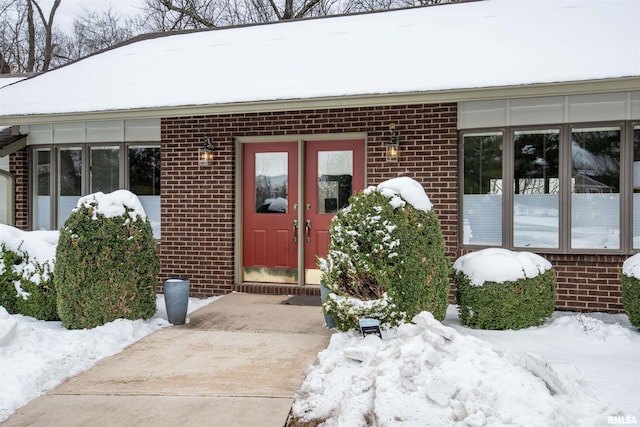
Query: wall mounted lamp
393, 144
206, 153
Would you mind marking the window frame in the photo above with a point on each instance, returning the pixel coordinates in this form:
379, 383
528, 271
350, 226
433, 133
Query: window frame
564, 172
54, 150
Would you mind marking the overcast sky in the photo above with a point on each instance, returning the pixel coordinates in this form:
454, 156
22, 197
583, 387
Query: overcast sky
70, 9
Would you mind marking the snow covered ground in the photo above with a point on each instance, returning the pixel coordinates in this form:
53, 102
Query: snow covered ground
36, 356
577, 369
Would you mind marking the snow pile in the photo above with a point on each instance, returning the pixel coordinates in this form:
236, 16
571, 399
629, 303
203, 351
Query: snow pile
631, 267
427, 374
409, 190
36, 356
500, 265
40, 245
114, 204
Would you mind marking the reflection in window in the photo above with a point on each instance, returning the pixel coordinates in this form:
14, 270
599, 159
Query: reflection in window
105, 169
536, 187
42, 189
271, 182
69, 181
482, 200
595, 188
636, 187
144, 181
335, 176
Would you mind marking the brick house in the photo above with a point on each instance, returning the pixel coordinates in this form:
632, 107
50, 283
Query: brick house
522, 123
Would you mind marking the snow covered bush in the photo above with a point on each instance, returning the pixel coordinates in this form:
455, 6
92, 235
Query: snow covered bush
106, 262
500, 289
26, 272
630, 282
386, 257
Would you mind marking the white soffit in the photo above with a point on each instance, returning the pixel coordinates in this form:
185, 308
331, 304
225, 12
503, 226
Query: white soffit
549, 110
138, 130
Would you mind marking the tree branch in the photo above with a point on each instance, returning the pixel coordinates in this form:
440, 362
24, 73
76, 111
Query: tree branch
186, 12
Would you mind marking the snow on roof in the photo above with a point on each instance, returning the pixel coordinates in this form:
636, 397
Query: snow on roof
5, 81
492, 43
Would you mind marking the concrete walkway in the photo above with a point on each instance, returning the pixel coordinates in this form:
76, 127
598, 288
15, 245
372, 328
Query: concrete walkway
237, 362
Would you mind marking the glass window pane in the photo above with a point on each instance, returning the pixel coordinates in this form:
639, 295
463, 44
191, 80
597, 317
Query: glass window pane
482, 200
536, 187
595, 188
271, 182
144, 181
636, 187
105, 169
41, 188
335, 176
69, 181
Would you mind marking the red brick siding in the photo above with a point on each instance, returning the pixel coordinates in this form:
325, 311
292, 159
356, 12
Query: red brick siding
198, 201
19, 167
588, 282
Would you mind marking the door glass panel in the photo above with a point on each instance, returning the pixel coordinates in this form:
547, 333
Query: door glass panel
536, 188
105, 169
482, 200
335, 176
69, 181
595, 188
636, 187
271, 182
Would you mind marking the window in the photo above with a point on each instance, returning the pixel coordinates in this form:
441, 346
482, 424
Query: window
42, 188
636, 187
84, 169
69, 181
482, 200
569, 191
144, 181
536, 189
595, 188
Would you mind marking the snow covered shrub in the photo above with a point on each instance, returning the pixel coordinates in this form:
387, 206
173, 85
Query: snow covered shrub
386, 257
26, 273
500, 289
106, 262
630, 282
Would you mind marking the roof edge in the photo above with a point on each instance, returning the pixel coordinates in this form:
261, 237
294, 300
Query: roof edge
431, 97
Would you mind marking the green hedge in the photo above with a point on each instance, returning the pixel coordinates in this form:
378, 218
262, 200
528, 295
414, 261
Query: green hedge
37, 295
509, 305
631, 298
106, 268
385, 262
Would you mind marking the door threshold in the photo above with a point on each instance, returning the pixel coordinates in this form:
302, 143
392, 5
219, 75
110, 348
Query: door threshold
277, 289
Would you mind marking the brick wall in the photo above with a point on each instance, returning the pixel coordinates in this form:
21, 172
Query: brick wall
198, 201
19, 167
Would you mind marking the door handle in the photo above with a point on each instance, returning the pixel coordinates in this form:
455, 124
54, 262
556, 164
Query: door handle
295, 231
307, 229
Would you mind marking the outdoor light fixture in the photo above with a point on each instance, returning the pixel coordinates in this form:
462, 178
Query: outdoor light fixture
206, 151
393, 144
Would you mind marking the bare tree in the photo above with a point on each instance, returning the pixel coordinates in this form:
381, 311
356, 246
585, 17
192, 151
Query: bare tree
26, 43
93, 32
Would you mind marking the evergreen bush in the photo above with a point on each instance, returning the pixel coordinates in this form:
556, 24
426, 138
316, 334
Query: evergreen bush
511, 304
106, 266
386, 261
26, 285
630, 285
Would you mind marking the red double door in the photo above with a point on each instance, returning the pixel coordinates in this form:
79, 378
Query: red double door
291, 191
